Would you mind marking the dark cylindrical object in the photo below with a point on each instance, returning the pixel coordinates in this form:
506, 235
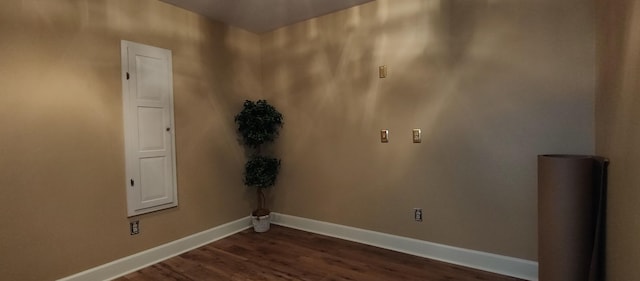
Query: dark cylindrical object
571, 199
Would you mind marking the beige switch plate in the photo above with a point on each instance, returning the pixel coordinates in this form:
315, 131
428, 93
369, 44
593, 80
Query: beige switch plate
384, 136
417, 135
382, 70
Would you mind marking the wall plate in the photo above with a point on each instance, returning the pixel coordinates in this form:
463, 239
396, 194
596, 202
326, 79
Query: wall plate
417, 214
382, 71
134, 227
384, 136
417, 135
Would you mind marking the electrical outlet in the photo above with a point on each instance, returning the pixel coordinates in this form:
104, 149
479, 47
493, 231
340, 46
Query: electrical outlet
134, 226
417, 135
382, 71
417, 214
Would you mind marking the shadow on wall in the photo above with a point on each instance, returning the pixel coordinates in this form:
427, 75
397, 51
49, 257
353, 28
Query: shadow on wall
628, 66
228, 74
62, 134
618, 131
489, 84
335, 73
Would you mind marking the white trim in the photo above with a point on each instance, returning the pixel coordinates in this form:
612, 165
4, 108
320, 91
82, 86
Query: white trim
504, 265
515, 267
149, 257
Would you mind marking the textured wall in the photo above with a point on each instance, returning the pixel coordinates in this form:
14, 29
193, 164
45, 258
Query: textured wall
61, 136
490, 83
618, 131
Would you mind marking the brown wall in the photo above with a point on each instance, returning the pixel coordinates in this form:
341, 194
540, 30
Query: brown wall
490, 83
61, 136
618, 131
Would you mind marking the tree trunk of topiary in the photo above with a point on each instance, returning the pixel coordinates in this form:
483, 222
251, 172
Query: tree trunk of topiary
261, 210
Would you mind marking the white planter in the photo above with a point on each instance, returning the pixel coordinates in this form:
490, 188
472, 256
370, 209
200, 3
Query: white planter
261, 224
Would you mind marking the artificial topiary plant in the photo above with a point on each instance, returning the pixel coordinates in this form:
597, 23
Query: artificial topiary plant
258, 124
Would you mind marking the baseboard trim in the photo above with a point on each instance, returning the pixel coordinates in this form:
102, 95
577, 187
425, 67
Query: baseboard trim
146, 258
519, 268
515, 267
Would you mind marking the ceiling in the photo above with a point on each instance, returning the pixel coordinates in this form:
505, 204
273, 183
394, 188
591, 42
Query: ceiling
260, 16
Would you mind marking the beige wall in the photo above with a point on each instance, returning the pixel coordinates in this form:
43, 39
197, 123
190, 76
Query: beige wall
61, 136
490, 83
618, 131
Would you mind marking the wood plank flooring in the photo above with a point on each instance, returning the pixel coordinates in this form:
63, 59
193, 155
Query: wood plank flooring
287, 254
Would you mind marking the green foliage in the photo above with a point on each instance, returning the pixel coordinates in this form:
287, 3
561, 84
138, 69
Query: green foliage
258, 123
261, 171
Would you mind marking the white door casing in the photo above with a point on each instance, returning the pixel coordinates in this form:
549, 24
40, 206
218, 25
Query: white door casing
147, 93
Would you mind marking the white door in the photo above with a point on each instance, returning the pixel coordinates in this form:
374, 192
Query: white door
147, 92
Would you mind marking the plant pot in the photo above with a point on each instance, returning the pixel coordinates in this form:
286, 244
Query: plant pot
261, 224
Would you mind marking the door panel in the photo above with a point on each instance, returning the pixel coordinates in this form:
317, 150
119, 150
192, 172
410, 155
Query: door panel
153, 186
149, 87
151, 128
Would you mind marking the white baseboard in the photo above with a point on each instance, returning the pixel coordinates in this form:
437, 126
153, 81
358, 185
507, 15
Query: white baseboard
504, 265
515, 267
146, 258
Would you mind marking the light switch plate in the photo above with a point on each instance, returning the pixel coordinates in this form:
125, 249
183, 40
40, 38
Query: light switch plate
384, 136
417, 135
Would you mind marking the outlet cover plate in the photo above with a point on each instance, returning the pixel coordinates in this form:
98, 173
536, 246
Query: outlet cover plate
382, 71
417, 214
134, 227
417, 135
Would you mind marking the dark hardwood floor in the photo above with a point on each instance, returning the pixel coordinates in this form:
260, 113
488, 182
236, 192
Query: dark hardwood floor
288, 254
